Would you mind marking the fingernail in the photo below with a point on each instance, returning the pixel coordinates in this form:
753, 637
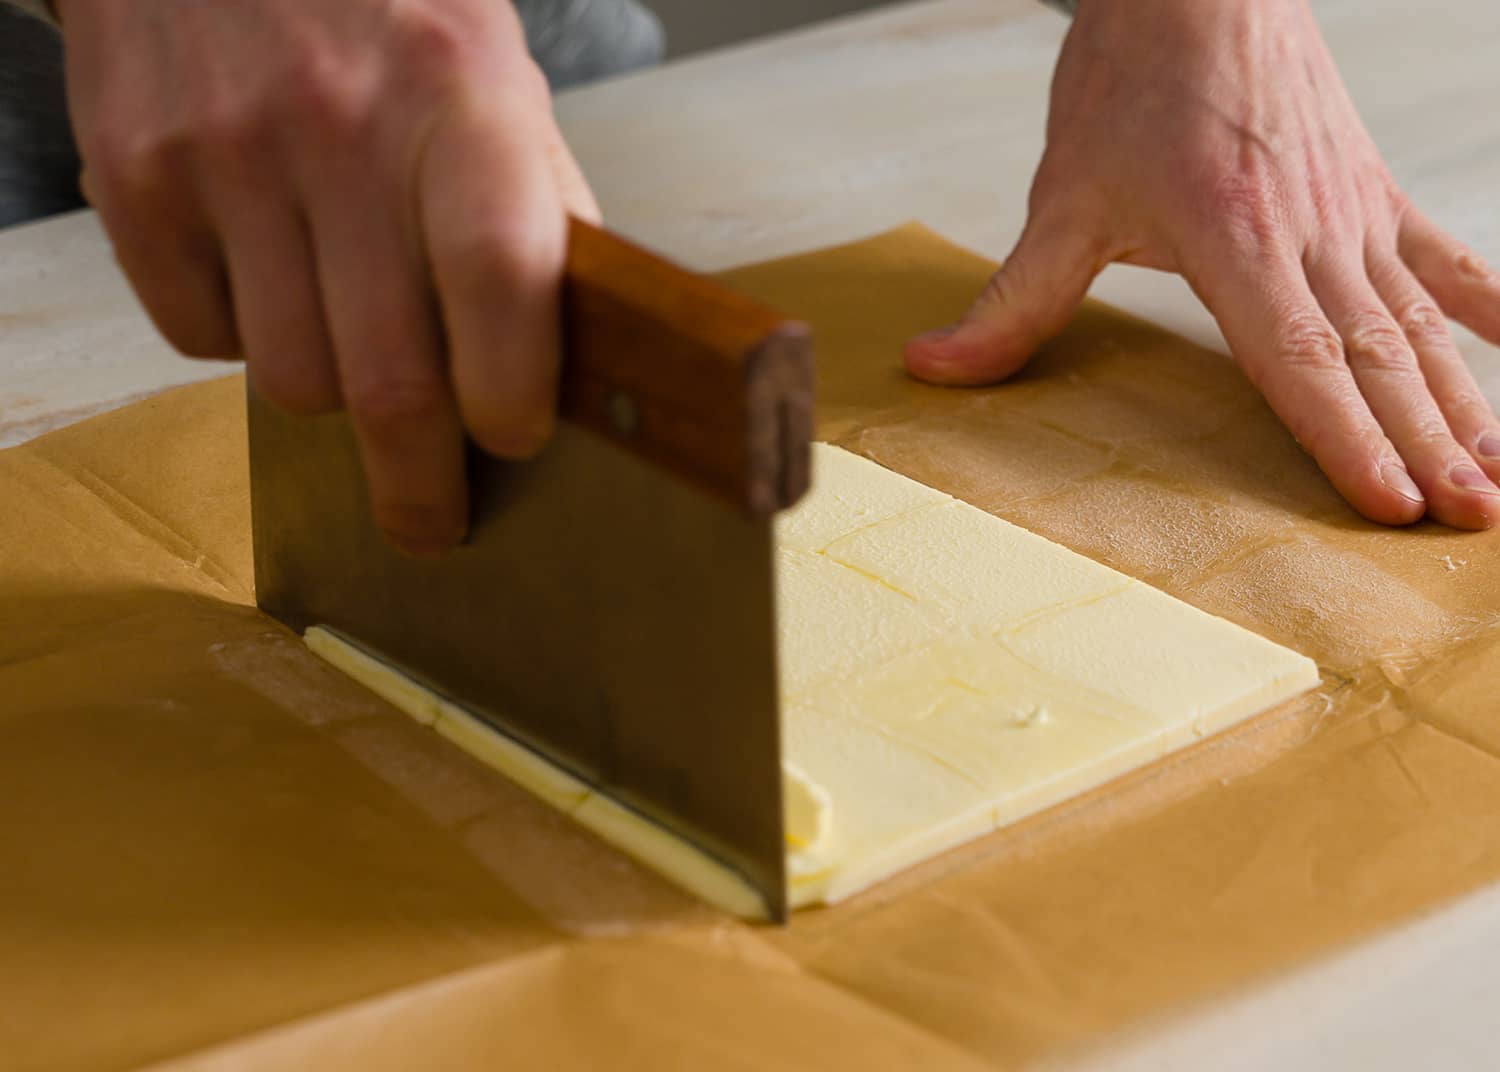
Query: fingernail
1399, 480
937, 334
1489, 445
1467, 476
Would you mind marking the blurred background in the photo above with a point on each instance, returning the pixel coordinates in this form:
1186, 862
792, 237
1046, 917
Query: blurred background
575, 40
694, 25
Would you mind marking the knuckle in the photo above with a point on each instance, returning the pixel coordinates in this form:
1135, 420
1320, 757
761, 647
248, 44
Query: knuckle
528, 81
1396, 198
388, 401
131, 165
232, 132
1310, 344
1472, 268
436, 46
1374, 343
323, 97
1434, 435
1001, 292
442, 51
320, 101
1423, 323
510, 253
295, 392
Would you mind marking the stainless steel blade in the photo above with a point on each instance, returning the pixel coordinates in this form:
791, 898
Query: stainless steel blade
603, 612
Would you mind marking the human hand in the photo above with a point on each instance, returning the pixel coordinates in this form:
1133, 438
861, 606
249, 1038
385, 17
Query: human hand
1214, 138
368, 199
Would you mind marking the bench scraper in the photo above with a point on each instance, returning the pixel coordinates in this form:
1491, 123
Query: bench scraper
613, 607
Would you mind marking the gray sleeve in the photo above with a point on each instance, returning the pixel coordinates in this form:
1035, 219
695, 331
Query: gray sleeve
42, 9
1067, 7
577, 41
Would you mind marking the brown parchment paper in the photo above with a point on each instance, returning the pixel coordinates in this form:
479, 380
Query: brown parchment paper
215, 852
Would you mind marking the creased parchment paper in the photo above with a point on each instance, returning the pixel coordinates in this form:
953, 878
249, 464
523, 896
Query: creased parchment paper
219, 853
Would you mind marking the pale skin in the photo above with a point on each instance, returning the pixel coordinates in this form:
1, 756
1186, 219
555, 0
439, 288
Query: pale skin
367, 200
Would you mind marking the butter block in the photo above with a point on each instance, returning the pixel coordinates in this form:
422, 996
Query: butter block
905, 805
847, 498
943, 673
1007, 674
833, 620
976, 708
1157, 654
971, 566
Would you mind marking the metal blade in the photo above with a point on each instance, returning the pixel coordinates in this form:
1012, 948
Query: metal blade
604, 613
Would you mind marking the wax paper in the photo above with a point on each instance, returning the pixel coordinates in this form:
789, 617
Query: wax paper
217, 852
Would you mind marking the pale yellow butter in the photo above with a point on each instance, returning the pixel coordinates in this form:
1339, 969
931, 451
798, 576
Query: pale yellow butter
943, 673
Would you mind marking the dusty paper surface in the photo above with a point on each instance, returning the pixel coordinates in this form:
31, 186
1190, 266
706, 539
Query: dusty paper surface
220, 851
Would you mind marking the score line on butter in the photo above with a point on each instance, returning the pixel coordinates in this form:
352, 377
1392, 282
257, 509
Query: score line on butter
943, 673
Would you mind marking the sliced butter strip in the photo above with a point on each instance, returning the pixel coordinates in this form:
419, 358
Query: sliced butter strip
943, 673
670, 856
369, 671
539, 777
659, 850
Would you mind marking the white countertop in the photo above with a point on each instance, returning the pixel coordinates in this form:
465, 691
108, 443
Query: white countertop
929, 111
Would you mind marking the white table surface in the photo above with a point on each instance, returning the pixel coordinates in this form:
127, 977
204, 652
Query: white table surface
930, 111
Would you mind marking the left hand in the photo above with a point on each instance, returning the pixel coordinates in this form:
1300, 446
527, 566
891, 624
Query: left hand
1214, 138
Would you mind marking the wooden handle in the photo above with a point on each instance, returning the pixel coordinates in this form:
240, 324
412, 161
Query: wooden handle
685, 373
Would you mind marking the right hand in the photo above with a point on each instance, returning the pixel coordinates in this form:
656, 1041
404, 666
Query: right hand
1215, 139
367, 199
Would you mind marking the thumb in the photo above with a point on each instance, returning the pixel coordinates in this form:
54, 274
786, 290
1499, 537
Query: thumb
1028, 301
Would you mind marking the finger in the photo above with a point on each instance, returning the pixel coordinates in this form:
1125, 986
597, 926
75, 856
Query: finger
1385, 367
1464, 286
170, 252
572, 187
278, 303
1469, 415
391, 369
1028, 301
1290, 352
496, 234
